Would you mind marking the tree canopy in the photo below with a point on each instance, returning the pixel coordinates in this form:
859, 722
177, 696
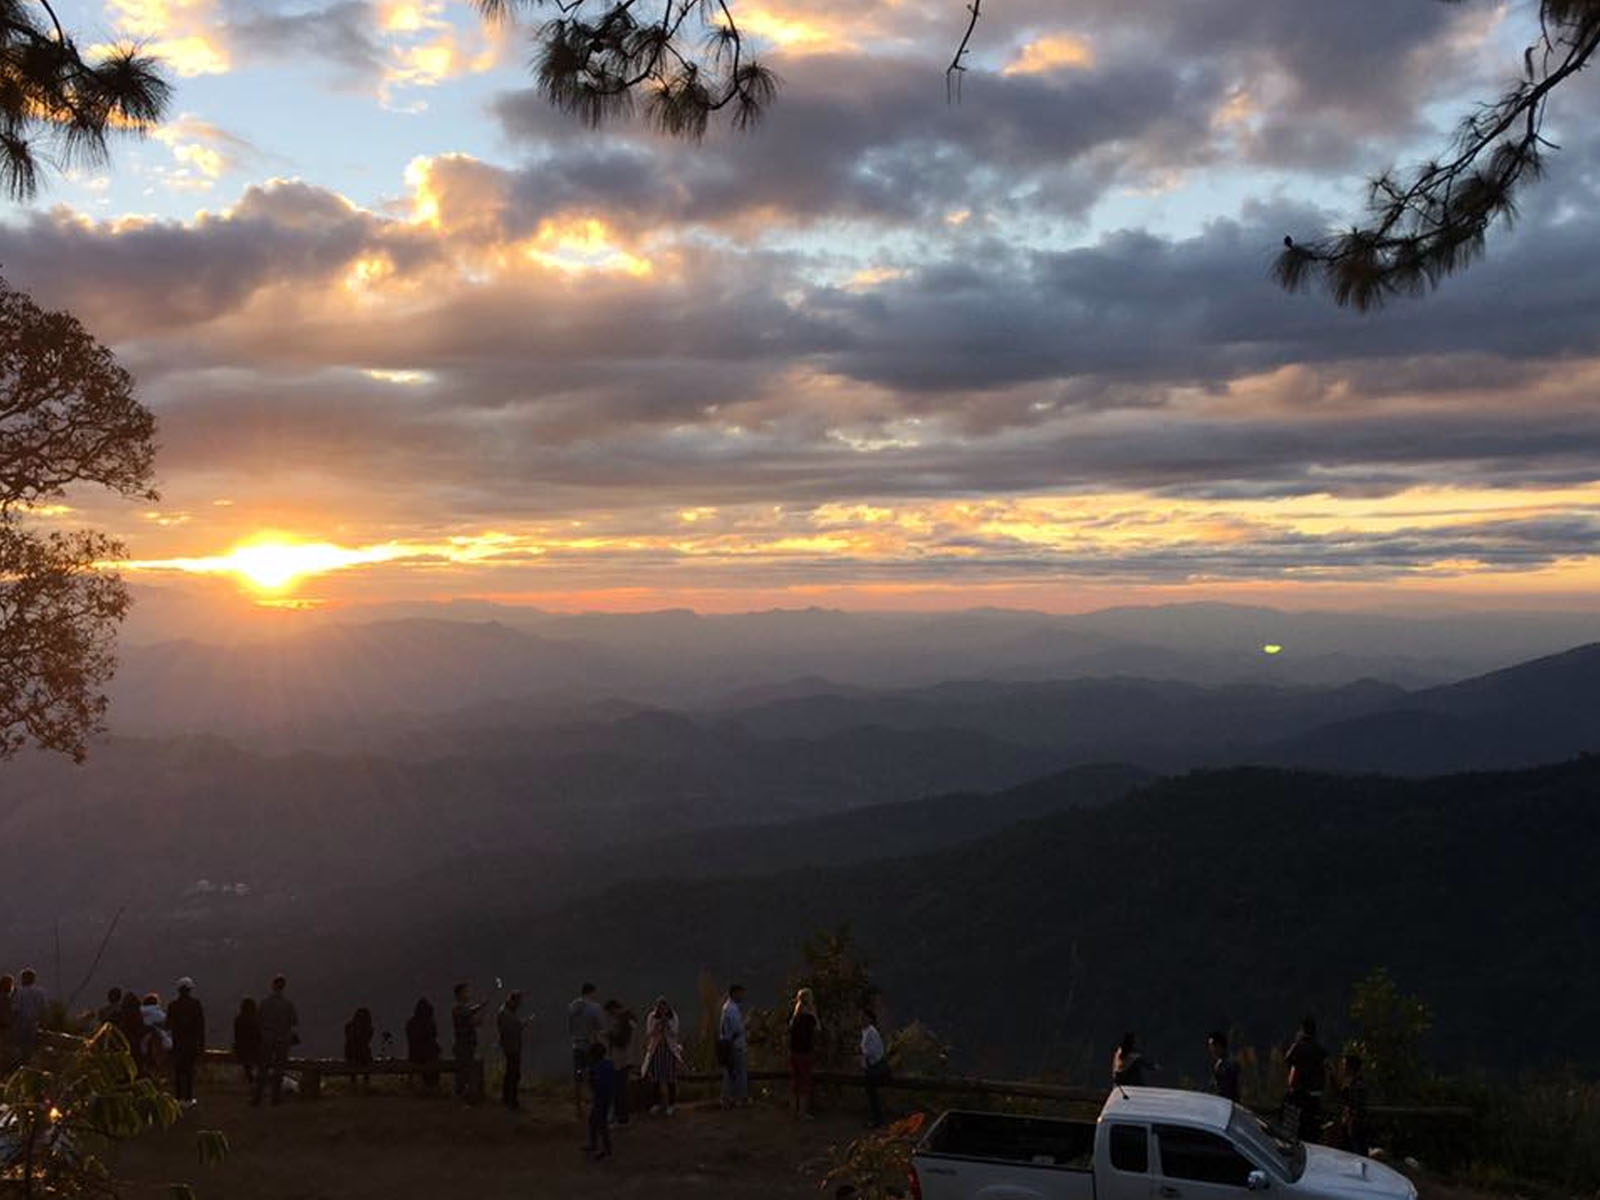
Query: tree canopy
58, 106
68, 417
687, 61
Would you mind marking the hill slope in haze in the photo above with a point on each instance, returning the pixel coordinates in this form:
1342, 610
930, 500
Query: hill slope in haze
1236, 899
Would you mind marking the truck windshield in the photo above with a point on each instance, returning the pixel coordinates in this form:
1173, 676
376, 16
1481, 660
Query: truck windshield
1282, 1153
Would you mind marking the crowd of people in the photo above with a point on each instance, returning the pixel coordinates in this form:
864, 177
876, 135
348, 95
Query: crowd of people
614, 1055
1307, 1085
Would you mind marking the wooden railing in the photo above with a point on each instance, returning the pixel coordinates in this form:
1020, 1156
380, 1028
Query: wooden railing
311, 1072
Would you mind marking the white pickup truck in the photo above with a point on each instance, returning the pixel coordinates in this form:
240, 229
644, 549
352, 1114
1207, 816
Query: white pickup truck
1149, 1144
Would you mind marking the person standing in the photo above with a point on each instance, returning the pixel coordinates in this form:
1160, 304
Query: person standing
8, 1022
422, 1040
662, 1054
1129, 1066
130, 1023
358, 1033
602, 1085
874, 1065
733, 1050
280, 1024
28, 1007
620, 1027
510, 1026
106, 1014
1353, 1106
1308, 1078
586, 1023
804, 1025
464, 1018
247, 1038
186, 1025
1224, 1068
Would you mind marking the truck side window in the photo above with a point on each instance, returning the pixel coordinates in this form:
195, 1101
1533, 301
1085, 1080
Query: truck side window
1130, 1149
1199, 1156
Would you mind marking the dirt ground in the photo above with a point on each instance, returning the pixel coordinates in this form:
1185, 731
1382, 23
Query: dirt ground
396, 1146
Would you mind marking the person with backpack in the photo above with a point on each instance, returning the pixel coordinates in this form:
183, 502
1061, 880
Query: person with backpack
733, 1050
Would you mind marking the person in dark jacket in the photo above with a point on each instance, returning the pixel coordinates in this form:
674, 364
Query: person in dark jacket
186, 1025
422, 1040
621, 1025
510, 1025
1224, 1068
279, 1032
465, 1014
130, 1023
247, 1038
1353, 1106
1129, 1066
1308, 1078
358, 1043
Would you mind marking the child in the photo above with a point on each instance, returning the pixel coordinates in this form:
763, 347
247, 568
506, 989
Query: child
602, 1087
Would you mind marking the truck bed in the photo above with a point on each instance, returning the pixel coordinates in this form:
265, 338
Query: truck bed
996, 1137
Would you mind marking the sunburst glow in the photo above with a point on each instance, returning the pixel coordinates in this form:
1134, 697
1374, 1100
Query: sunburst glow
273, 564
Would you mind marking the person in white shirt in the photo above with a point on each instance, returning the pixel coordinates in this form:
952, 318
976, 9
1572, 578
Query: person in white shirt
733, 1050
875, 1064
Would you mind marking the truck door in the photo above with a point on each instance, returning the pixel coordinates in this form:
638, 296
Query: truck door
1127, 1163
1195, 1164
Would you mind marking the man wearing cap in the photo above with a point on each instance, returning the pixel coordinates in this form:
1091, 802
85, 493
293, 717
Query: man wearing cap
186, 1025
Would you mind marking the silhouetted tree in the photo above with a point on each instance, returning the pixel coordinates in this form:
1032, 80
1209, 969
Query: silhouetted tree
68, 416
56, 106
1431, 222
688, 59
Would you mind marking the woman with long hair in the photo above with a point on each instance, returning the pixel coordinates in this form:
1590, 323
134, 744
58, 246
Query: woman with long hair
422, 1040
247, 1038
804, 1026
662, 1056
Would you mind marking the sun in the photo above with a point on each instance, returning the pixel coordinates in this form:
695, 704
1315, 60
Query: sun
273, 564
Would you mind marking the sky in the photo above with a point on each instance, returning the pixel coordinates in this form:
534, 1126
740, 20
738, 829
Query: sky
412, 334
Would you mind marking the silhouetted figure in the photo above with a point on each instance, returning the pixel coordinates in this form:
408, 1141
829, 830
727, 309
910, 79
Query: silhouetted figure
620, 1027
279, 1025
106, 1014
511, 1025
130, 1023
804, 1025
422, 1040
874, 1065
186, 1026
28, 1007
1129, 1066
733, 1050
586, 1023
8, 1022
247, 1038
358, 1033
663, 1054
464, 1018
1308, 1078
602, 1090
157, 1039
1224, 1069
1352, 1130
